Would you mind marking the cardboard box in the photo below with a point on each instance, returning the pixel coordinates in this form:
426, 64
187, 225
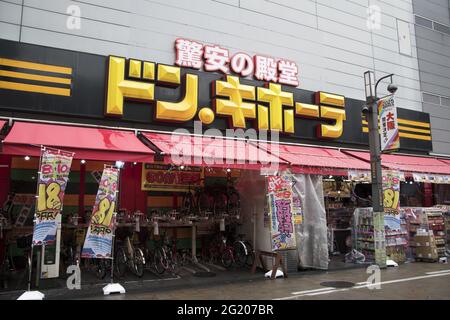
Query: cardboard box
427, 253
424, 241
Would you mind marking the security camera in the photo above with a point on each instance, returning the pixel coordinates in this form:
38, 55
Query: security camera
365, 109
392, 88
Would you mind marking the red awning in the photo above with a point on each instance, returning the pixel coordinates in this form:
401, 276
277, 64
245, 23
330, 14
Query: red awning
316, 160
87, 143
407, 163
446, 161
212, 152
2, 123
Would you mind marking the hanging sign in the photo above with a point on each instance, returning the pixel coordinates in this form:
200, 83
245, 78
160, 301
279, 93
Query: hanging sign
391, 192
297, 210
431, 178
389, 131
99, 237
359, 176
281, 212
165, 177
54, 173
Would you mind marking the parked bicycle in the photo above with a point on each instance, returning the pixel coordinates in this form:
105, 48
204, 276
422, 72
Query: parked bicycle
227, 252
129, 256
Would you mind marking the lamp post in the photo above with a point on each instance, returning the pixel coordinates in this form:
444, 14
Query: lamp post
371, 112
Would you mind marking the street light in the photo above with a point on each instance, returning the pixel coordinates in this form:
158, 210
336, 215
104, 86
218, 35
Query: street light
370, 110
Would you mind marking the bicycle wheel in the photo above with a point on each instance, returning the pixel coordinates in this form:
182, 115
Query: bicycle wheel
160, 265
100, 269
241, 253
227, 258
139, 262
174, 262
250, 254
121, 262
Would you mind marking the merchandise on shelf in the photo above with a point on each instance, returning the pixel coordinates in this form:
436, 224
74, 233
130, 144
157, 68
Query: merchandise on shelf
395, 233
431, 221
446, 213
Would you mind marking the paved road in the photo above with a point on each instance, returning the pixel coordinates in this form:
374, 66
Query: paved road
409, 281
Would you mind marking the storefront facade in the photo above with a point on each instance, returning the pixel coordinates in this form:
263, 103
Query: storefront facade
267, 106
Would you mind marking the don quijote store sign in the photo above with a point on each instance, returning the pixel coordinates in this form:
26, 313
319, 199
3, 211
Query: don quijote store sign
270, 107
208, 91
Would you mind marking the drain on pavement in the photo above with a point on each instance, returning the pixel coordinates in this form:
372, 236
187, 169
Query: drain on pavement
338, 284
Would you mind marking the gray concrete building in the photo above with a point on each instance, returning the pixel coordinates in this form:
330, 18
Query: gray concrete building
432, 27
332, 42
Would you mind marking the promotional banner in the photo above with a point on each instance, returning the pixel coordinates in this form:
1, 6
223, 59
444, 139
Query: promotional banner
359, 176
297, 209
391, 192
431, 178
281, 212
99, 237
53, 175
164, 177
389, 132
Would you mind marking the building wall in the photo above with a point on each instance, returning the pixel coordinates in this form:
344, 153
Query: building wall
433, 48
329, 40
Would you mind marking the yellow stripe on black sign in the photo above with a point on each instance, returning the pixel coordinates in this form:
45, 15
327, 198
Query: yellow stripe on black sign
34, 66
406, 135
43, 82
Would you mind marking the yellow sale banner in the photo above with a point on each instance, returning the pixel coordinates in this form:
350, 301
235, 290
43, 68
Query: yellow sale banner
53, 175
391, 192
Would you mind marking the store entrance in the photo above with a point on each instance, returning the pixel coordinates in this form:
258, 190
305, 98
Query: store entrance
341, 197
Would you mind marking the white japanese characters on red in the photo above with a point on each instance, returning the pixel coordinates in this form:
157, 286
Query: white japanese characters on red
192, 54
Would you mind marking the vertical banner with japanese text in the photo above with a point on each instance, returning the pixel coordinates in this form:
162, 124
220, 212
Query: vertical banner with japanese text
99, 237
279, 189
391, 192
53, 175
389, 131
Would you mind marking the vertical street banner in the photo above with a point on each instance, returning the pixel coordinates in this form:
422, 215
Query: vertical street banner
53, 176
99, 237
389, 132
281, 206
391, 193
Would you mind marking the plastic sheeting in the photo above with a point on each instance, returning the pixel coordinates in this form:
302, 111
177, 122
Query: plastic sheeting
311, 235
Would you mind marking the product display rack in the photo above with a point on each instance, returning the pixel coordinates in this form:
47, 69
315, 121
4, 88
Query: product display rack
339, 208
446, 213
436, 223
363, 235
397, 242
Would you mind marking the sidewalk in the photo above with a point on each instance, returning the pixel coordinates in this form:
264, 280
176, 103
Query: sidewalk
151, 282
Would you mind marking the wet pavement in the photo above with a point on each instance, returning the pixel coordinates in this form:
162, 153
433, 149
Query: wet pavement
408, 281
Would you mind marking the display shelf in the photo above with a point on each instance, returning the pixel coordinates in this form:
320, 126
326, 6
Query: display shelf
436, 223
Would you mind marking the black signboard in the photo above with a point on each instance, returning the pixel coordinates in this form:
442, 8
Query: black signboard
53, 84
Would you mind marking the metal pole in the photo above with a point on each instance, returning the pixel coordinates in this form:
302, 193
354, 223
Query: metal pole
114, 226
112, 248
377, 186
30, 267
